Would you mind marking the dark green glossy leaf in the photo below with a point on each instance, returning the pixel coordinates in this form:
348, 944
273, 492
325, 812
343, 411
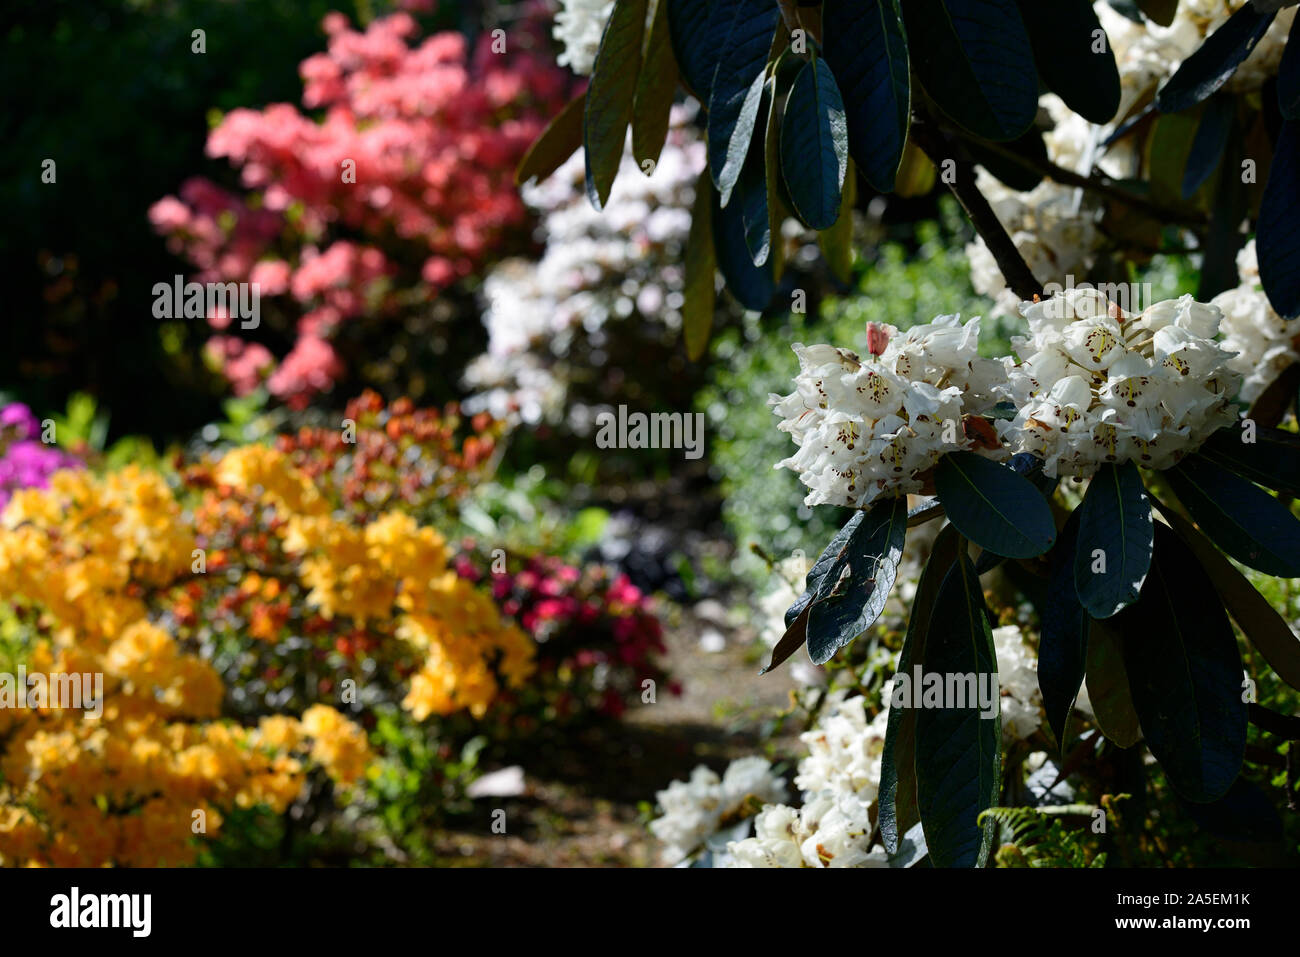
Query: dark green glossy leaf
1063, 644
1258, 620
866, 46
854, 590
958, 750
1288, 77
1211, 139
1019, 176
737, 91
973, 57
1115, 520
994, 507
752, 192
897, 797
700, 293
1073, 62
1238, 516
1031, 467
1277, 240
1214, 61
560, 140
753, 286
1108, 686
1161, 11
655, 87
1245, 814
837, 242
1185, 673
1272, 459
610, 97
815, 145
695, 42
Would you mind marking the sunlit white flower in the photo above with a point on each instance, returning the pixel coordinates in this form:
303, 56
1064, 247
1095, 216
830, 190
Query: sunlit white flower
1097, 385
1264, 342
830, 830
578, 26
695, 809
844, 749
868, 426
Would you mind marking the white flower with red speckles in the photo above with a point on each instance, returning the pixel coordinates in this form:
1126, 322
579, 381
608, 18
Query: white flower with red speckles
868, 426
1097, 385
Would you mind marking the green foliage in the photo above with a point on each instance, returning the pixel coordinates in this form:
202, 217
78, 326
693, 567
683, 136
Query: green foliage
1030, 838
899, 287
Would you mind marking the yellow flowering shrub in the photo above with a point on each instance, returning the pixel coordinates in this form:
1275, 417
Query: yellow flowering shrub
132, 578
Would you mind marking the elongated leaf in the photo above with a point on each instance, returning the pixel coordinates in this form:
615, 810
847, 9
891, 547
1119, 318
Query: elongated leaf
1229, 206
854, 590
796, 634
1070, 60
1277, 241
1272, 459
1211, 138
1288, 76
837, 242
752, 193
973, 57
699, 295
560, 140
1063, 645
1031, 467
610, 97
994, 507
1238, 516
776, 211
865, 44
737, 90
1108, 687
695, 42
916, 174
958, 749
1258, 620
897, 798
1018, 176
1244, 814
815, 145
1185, 673
1214, 61
1115, 536
655, 87
752, 285
1161, 11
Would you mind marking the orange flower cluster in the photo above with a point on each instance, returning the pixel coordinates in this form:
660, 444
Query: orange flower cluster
127, 576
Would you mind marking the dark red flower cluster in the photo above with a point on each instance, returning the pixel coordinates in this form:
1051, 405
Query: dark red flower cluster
598, 635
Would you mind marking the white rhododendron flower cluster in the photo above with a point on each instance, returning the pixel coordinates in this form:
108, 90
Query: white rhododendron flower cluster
1264, 343
1147, 53
578, 26
1096, 385
867, 427
598, 267
696, 809
830, 830
845, 749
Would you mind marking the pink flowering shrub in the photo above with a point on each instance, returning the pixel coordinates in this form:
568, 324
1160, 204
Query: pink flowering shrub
399, 189
26, 461
598, 635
